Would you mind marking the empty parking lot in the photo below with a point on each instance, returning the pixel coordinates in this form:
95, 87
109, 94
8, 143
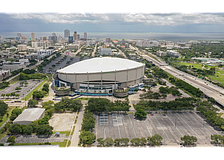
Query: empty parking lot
170, 126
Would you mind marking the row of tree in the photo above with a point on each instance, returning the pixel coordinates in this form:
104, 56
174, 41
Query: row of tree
4, 85
88, 121
178, 82
34, 127
170, 90
177, 104
152, 95
217, 139
13, 95
3, 109
210, 113
155, 140
23, 76
105, 105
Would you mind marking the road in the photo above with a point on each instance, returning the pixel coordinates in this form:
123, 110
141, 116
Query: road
122, 53
206, 87
93, 54
74, 54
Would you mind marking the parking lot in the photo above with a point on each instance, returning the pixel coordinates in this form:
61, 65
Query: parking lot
170, 126
36, 139
24, 90
62, 64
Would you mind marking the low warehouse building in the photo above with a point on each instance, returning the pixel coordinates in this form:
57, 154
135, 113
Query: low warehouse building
29, 115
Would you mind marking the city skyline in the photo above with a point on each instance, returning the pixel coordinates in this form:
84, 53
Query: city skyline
125, 22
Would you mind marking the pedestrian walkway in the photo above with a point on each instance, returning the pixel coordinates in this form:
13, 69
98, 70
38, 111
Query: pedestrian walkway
75, 136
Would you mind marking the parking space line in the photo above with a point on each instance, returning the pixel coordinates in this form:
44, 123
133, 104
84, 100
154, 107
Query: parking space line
132, 126
187, 124
162, 128
174, 125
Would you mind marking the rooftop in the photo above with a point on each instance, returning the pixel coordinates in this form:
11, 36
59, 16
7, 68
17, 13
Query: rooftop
101, 64
30, 114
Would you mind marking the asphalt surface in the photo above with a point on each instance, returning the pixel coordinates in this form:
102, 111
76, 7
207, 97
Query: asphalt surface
24, 90
171, 127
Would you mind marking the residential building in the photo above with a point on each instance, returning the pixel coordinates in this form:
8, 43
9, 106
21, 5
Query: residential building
38, 45
105, 51
22, 47
173, 53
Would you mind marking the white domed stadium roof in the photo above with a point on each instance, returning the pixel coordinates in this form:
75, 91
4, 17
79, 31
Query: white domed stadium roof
101, 64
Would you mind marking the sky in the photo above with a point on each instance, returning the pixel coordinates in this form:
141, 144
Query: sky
112, 22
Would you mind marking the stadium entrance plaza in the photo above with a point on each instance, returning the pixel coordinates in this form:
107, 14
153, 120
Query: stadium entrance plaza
170, 126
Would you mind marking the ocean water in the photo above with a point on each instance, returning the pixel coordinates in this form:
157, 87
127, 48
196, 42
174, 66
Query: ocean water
112, 35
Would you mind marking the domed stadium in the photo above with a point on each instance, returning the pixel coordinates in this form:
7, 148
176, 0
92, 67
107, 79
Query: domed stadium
100, 75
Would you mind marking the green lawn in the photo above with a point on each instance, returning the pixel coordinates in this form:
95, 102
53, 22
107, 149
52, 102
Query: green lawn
220, 78
219, 73
83, 98
61, 144
199, 66
14, 82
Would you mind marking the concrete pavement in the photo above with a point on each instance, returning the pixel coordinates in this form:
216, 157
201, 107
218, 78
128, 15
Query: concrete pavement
78, 126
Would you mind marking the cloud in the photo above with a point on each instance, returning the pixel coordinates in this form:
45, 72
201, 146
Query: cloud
149, 19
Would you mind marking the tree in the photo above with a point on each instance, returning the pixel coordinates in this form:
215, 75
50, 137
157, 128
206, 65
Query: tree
117, 142
34, 126
45, 87
3, 95
140, 114
38, 94
44, 129
13, 94
124, 141
15, 129
143, 141
28, 130
26, 83
87, 137
100, 141
3, 108
188, 140
8, 94
108, 142
21, 83
15, 113
17, 95
32, 103
135, 141
155, 140
11, 139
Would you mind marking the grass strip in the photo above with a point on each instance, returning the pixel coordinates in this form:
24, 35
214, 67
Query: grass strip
73, 129
63, 132
5, 118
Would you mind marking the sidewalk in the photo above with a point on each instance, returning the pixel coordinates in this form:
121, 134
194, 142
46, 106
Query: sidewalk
78, 126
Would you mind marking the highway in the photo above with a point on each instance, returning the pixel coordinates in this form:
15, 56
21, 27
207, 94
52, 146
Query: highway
206, 87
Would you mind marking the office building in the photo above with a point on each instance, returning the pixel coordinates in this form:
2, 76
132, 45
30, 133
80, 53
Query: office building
70, 39
66, 33
75, 36
85, 35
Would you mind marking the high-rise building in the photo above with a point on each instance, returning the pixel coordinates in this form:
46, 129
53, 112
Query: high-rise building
33, 37
85, 36
78, 37
70, 39
41, 38
66, 33
53, 37
75, 36
59, 38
